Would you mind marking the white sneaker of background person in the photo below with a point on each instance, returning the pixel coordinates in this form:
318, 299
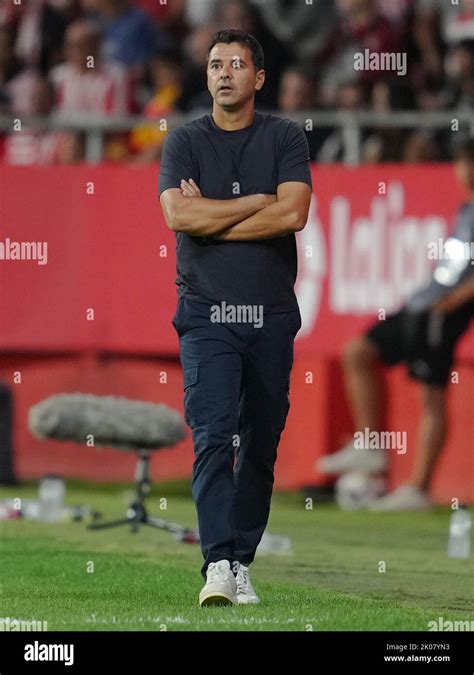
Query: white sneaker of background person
405, 498
351, 458
220, 587
245, 591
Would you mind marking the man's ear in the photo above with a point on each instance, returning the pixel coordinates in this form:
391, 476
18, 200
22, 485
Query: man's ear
260, 80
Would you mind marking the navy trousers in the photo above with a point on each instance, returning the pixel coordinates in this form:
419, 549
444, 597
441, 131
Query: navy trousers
236, 380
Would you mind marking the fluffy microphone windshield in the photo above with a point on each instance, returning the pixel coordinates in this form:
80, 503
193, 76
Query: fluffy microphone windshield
111, 420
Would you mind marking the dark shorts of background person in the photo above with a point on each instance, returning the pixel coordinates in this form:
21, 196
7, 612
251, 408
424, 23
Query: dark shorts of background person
423, 341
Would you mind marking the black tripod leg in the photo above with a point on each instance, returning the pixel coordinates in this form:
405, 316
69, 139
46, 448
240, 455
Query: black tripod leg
112, 523
184, 533
137, 511
164, 525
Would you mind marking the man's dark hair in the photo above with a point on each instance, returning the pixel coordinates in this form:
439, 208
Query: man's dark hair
465, 151
245, 39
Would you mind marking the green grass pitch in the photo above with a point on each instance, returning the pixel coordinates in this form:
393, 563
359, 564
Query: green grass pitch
149, 581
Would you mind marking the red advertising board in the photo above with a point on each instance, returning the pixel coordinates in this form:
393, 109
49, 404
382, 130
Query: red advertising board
108, 279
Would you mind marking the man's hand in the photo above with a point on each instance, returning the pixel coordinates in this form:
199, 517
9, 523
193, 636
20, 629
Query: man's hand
190, 188
268, 200
285, 214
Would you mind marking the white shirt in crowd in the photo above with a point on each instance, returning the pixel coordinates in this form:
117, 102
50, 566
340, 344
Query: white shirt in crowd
103, 90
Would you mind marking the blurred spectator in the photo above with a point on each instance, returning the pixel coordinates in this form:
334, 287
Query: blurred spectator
438, 11
460, 27
102, 89
169, 16
32, 146
129, 35
39, 29
17, 83
350, 96
167, 77
461, 72
296, 90
152, 60
195, 92
303, 25
242, 15
389, 96
397, 11
30, 43
72, 148
4, 102
430, 26
9, 66
419, 147
20, 90
386, 145
297, 93
360, 27
200, 12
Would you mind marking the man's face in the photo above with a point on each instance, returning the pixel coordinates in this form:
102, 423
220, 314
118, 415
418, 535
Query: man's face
465, 173
350, 97
79, 45
231, 75
295, 93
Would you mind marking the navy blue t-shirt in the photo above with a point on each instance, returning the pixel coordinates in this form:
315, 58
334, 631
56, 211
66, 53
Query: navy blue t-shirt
228, 165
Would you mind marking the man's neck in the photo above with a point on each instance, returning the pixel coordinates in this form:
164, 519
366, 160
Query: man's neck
233, 120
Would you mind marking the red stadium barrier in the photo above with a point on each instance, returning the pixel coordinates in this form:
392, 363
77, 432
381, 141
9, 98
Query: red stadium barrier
106, 296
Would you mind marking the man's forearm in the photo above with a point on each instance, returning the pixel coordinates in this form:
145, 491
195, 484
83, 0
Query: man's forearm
203, 217
464, 292
458, 297
276, 220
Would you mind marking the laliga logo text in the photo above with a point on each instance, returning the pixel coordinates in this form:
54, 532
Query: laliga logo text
375, 260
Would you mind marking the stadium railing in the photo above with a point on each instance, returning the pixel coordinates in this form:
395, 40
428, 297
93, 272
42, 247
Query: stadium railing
350, 123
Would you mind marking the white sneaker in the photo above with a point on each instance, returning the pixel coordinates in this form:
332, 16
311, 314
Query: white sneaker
220, 587
353, 459
245, 591
405, 498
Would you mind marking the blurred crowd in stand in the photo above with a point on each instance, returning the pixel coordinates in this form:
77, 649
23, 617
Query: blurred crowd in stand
73, 59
